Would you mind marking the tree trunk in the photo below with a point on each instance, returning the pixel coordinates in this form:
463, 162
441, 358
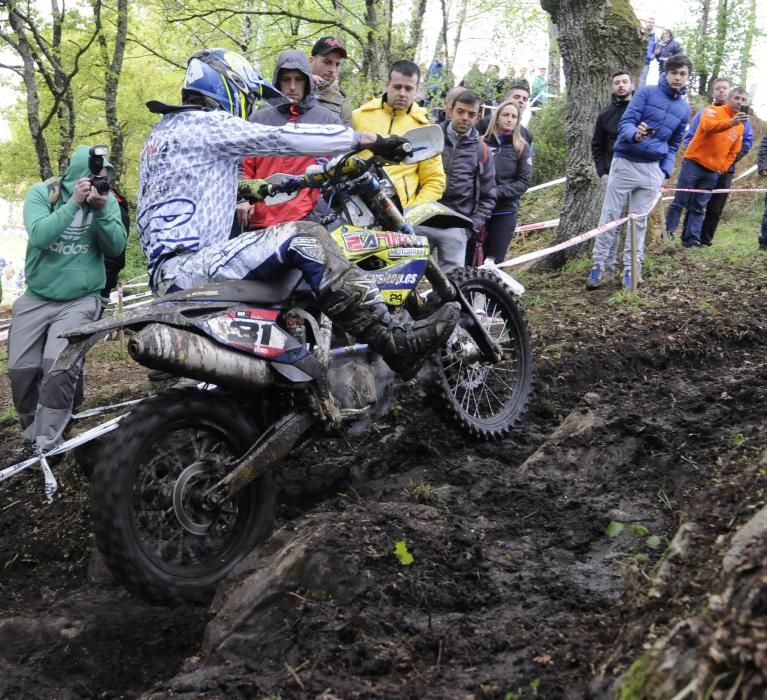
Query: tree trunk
371, 53
24, 49
443, 34
555, 59
416, 26
699, 57
722, 24
461, 21
40, 46
113, 67
596, 37
748, 43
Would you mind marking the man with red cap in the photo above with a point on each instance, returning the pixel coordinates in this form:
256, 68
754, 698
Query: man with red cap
328, 54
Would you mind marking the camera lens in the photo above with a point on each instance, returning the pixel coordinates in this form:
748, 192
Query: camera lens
101, 184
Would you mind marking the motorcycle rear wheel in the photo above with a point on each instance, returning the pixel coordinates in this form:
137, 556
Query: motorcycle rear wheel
487, 399
149, 525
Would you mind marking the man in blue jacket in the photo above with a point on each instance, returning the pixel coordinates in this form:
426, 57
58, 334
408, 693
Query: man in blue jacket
720, 92
649, 135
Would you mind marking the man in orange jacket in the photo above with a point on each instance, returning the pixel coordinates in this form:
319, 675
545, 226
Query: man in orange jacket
711, 152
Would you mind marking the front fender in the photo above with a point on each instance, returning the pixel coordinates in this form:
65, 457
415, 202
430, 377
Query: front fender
437, 215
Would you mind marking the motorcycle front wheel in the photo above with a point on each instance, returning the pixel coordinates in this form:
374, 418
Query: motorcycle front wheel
147, 508
487, 399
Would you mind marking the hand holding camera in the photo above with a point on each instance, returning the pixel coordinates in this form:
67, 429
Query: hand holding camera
82, 190
96, 166
742, 115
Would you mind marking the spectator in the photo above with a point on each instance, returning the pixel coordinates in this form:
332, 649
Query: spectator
713, 149
519, 93
715, 207
187, 189
762, 167
328, 55
435, 89
666, 47
452, 93
504, 85
650, 53
606, 128
71, 226
113, 264
513, 162
540, 88
395, 112
603, 143
470, 186
649, 135
293, 77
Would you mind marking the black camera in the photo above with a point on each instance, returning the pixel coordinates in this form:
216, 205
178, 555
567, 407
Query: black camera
746, 109
96, 165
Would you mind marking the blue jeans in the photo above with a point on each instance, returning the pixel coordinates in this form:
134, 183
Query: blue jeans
691, 176
643, 75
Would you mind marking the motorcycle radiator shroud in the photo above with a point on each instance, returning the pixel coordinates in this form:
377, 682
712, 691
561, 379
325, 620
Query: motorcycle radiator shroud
395, 261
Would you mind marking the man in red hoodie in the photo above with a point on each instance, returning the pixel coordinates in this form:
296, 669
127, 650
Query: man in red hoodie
711, 152
293, 77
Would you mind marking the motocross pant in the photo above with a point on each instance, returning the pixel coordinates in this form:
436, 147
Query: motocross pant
346, 294
262, 255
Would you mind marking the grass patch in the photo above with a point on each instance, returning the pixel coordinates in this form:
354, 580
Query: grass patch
8, 416
423, 493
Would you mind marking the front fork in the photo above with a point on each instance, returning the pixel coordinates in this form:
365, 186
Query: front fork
447, 291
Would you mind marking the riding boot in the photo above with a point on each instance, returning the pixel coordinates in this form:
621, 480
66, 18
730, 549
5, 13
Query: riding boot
357, 306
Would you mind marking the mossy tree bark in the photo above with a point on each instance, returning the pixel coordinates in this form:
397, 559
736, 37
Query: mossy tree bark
596, 37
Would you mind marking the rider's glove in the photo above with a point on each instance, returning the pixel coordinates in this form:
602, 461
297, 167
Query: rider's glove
253, 190
393, 148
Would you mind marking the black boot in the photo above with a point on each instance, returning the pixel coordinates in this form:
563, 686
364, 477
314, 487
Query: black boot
359, 309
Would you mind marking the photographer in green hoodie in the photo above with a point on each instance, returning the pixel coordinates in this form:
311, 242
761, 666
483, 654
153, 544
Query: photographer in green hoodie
71, 227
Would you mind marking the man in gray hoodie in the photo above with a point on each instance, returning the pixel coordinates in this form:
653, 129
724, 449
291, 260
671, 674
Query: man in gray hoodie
293, 77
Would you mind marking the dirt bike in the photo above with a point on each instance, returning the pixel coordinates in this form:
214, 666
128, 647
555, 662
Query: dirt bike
184, 488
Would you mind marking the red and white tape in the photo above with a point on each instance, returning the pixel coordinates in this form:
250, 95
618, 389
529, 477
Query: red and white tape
580, 238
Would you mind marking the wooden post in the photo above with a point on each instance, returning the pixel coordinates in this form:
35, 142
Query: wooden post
120, 332
634, 254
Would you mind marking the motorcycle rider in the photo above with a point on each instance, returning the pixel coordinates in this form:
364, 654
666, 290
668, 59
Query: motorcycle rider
188, 188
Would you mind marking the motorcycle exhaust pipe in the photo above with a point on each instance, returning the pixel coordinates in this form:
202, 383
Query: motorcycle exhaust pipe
186, 354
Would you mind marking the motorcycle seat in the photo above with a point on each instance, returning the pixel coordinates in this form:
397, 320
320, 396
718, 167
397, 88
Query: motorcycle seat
243, 291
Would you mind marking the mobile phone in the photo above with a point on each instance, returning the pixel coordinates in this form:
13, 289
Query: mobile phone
649, 131
746, 109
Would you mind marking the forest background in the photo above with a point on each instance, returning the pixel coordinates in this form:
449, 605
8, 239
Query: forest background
81, 72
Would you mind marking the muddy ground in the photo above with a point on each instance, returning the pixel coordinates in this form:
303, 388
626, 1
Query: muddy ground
648, 413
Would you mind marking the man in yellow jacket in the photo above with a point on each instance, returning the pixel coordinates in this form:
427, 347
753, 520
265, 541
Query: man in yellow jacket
711, 152
395, 112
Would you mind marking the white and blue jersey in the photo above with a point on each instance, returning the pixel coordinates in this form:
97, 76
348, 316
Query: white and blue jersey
190, 169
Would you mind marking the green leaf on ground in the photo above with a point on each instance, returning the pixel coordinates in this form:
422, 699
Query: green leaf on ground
403, 556
614, 528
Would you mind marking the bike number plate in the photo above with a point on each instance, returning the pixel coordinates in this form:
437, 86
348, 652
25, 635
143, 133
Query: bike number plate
253, 330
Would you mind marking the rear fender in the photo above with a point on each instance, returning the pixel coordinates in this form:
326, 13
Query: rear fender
83, 338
